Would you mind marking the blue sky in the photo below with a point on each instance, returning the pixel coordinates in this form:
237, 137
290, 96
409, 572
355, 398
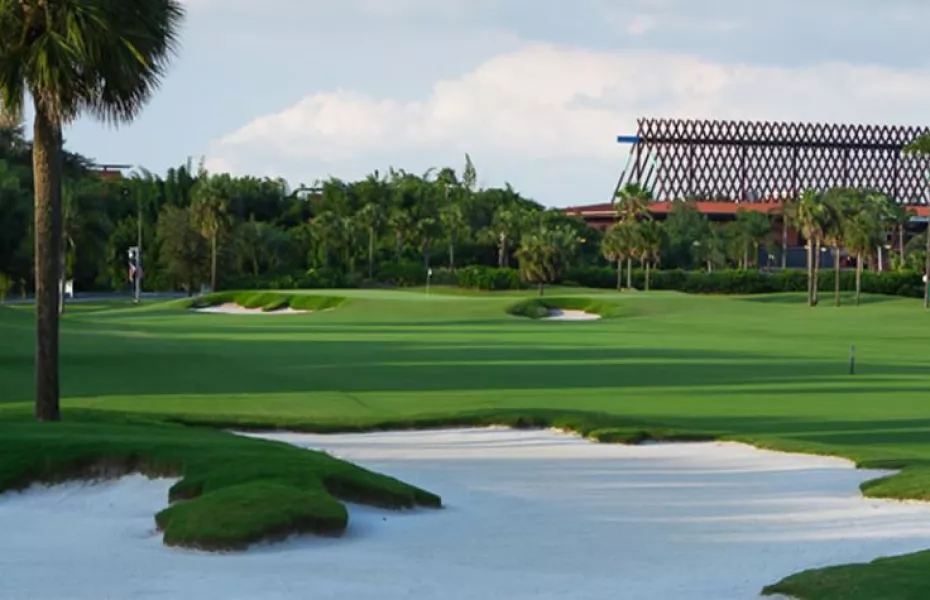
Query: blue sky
535, 90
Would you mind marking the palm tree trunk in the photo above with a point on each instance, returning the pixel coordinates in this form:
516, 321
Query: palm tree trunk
62, 279
646, 264
451, 255
629, 273
901, 245
816, 282
371, 252
926, 272
836, 275
619, 274
810, 272
858, 276
541, 284
784, 238
213, 262
46, 164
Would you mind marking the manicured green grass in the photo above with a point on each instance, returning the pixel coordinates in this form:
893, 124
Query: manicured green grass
232, 491
765, 370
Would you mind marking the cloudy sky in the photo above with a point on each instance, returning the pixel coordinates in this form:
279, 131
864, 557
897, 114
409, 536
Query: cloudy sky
535, 90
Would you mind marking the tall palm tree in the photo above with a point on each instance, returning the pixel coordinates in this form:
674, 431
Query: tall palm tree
455, 226
756, 229
401, 221
372, 217
861, 233
211, 209
921, 146
101, 57
837, 205
616, 247
544, 253
811, 215
651, 236
632, 202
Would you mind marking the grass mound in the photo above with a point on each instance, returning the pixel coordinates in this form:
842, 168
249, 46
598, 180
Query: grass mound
900, 577
539, 308
268, 301
233, 491
596, 426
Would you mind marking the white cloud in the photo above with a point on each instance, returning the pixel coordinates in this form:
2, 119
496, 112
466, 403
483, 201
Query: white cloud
549, 102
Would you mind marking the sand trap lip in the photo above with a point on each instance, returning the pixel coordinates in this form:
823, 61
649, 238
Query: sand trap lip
558, 314
231, 308
529, 515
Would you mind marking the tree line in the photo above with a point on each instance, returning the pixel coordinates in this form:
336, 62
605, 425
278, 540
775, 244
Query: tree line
857, 222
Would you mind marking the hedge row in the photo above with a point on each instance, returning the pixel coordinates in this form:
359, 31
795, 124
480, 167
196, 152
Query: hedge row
892, 283
405, 274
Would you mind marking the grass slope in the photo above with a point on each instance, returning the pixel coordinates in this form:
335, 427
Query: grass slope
538, 308
767, 370
232, 491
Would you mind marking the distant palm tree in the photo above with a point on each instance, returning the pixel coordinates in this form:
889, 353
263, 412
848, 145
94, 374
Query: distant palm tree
650, 238
837, 205
210, 197
616, 247
544, 254
455, 226
921, 146
99, 57
373, 218
861, 233
811, 215
632, 202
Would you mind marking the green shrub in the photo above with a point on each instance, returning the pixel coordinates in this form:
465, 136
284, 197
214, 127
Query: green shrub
894, 283
478, 277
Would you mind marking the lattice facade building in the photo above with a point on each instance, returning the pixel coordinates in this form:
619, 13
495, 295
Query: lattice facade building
746, 161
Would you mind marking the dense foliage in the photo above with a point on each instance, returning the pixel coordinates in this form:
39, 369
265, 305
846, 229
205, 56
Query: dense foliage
402, 229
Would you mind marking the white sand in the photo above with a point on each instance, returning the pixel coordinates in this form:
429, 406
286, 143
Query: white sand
231, 308
529, 515
557, 314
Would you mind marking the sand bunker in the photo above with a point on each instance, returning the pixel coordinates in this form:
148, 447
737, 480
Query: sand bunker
230, 308
530, 515
557, 314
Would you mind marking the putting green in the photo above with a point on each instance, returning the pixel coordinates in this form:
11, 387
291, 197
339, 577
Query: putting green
768, 370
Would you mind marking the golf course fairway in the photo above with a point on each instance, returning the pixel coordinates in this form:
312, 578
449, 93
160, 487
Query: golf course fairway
767, 370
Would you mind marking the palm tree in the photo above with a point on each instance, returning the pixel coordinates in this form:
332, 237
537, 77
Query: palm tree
84, 221
102, 57
544, 253
861, 232
615, 247
756, 229
651, 236
402, 223
372, 218
632, 202
454, 224
837, 206
921, 146
811, 215
211, 209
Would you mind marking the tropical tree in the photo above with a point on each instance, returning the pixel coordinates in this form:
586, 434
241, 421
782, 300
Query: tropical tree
85, 224
100, 57
756, 230
861, 234
455, 227
921, 146
210, 198
837, 204
182, 247
373, 218
650, 238
545, 253
402, 223
616, 246
632, 202
811, 218
505, 226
